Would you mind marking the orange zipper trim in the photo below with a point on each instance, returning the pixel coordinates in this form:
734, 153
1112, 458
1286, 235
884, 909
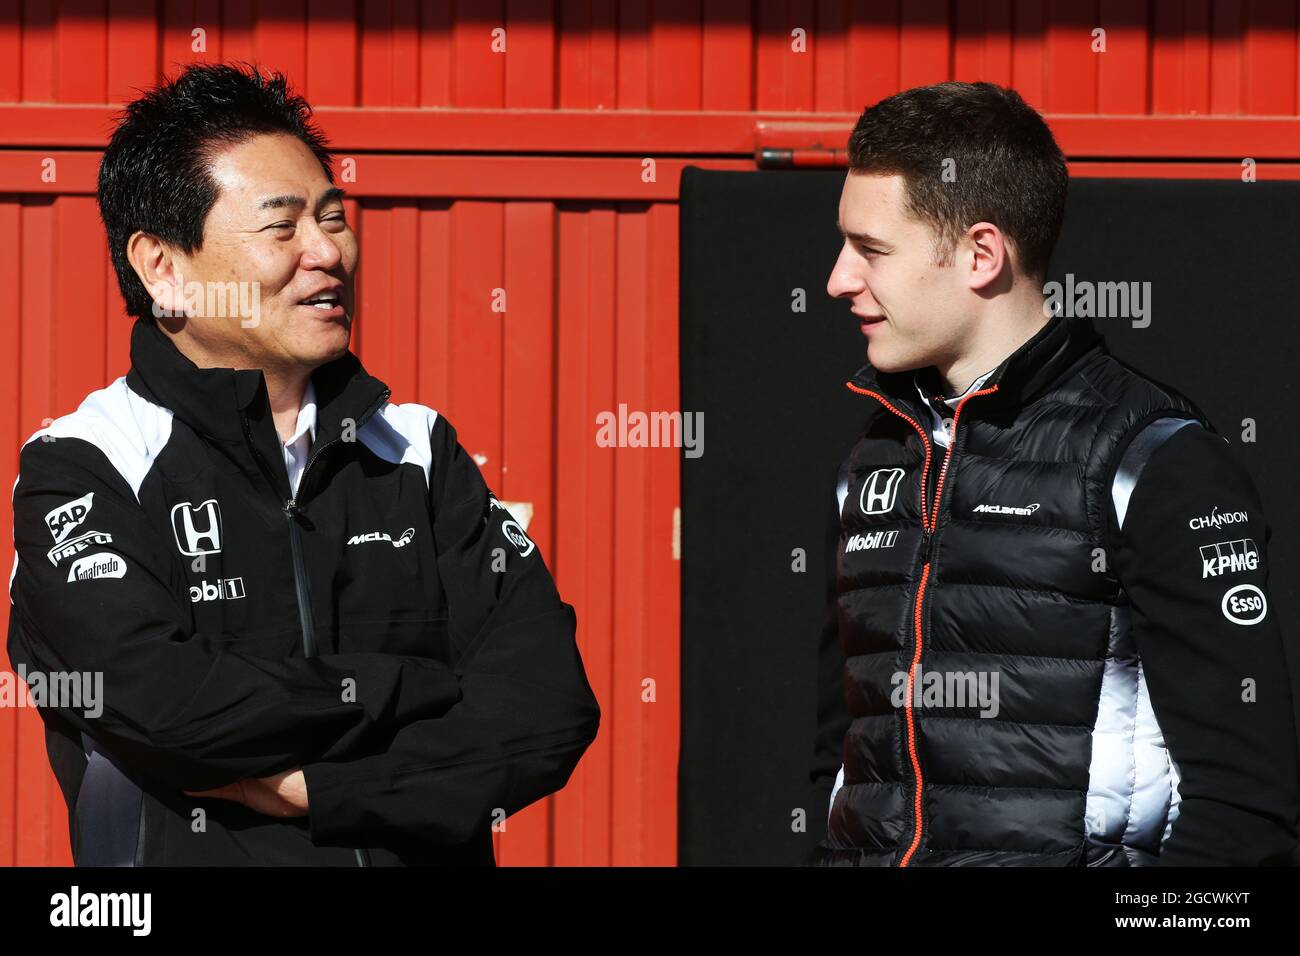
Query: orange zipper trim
925, 440
928, 524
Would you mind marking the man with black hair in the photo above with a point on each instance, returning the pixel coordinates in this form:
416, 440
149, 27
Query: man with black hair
1052, 642
322, 639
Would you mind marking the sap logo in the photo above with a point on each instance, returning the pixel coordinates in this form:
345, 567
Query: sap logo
1228, 557
401, 542
867, 542
98, 565
1244, 604
1006, 509
879, 490
63, 519
226, 589
78, 544
515, 535
197, 530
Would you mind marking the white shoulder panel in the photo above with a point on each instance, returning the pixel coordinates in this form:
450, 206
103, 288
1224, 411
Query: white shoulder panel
400, 434
129, 429
1139, 451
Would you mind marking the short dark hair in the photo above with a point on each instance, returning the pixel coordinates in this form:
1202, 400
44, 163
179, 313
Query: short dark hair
1008, 169
155, 175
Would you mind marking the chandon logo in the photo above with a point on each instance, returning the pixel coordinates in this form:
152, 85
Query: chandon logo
401, 542
1216, 518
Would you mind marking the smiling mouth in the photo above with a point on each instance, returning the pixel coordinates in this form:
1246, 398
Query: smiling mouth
325, 301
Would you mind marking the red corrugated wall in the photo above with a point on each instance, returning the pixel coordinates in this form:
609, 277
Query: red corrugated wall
525, 170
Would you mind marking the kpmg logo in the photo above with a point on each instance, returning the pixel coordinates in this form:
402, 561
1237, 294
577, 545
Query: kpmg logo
880, 490
1228, 557
197, 530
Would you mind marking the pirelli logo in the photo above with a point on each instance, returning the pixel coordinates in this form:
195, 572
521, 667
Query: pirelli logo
1228, 557
74, 546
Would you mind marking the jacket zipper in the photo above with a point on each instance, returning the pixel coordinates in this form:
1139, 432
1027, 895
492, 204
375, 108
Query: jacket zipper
291, 511
929, 524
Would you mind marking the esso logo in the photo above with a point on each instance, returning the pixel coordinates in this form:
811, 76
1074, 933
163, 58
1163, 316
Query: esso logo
1245, 604
516, 536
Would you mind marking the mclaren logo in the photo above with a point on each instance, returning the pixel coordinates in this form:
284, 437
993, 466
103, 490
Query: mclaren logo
880, 490
1006, 509
401, 542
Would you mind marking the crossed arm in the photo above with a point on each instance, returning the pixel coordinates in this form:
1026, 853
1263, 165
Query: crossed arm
426, 751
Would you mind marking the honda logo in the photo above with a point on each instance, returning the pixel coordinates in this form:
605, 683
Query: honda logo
197, 530
880, 490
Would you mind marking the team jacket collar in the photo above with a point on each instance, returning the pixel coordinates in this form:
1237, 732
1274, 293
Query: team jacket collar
213, 401
1023, 375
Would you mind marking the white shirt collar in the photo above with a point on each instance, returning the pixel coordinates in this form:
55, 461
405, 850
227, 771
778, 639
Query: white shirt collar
952, 402
306, 423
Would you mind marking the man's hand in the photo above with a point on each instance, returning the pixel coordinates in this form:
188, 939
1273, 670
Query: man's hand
280, 795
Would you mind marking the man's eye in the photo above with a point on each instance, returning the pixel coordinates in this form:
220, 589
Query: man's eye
868, 251
280, 225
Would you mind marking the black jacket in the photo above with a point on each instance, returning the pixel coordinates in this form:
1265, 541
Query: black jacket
391, 630
1088, 547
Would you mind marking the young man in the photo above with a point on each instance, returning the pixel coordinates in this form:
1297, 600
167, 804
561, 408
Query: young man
1055, 644
321, 638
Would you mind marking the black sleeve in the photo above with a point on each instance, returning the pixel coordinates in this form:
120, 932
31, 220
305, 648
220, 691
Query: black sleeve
526, 713
832, 712
183, 707
1192, 557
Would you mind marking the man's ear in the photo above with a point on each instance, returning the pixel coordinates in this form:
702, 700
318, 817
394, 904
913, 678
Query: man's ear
157, 266
989, 251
